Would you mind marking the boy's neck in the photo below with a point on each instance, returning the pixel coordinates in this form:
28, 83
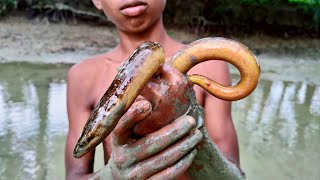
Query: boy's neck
130, 41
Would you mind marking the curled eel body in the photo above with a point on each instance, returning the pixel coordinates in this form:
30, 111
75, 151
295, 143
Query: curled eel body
220, 49
144, 63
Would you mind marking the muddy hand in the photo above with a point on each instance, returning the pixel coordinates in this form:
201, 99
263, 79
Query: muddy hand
169, 96
163, 154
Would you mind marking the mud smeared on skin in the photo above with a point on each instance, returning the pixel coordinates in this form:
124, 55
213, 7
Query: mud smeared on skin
209, 162
168, 99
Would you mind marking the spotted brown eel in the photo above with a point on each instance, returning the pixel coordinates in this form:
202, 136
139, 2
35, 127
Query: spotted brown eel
128, 83
144, 63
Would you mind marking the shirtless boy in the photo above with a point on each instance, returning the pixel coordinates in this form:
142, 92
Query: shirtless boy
138, 21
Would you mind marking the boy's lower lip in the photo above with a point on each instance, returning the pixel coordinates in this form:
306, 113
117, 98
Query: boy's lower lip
134, 10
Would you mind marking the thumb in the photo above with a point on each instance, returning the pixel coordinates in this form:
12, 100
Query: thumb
137, 112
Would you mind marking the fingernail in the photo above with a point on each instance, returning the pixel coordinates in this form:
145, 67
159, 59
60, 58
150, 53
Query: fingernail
193, 153
143, 106
197, 135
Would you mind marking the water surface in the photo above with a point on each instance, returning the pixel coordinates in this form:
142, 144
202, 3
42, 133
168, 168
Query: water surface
277, 126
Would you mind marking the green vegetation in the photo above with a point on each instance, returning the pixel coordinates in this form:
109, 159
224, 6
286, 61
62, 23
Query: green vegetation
271, 16
274, 16
7, 5
55, 10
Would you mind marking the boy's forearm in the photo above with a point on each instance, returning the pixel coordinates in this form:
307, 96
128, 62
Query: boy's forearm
228, 144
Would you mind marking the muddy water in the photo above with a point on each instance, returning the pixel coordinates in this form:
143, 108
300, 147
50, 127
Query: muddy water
278, 126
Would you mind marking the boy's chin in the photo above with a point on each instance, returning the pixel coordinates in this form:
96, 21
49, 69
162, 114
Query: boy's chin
138, 26
136, 30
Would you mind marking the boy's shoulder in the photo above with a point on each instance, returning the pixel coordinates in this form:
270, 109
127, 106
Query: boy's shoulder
90, 66
84, 73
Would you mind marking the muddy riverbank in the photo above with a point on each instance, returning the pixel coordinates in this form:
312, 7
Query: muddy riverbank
40, 41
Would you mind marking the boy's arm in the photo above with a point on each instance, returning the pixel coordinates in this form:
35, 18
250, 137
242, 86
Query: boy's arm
78, 113
218, 120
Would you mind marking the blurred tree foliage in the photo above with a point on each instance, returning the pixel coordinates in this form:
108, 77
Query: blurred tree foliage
7, 5
54, 10
199, 15
246, 15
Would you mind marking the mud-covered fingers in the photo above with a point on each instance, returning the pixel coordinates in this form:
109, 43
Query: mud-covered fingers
177, 169
137, 112
166, 158
155, 142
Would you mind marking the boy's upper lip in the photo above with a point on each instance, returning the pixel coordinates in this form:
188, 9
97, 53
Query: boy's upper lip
133, 8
